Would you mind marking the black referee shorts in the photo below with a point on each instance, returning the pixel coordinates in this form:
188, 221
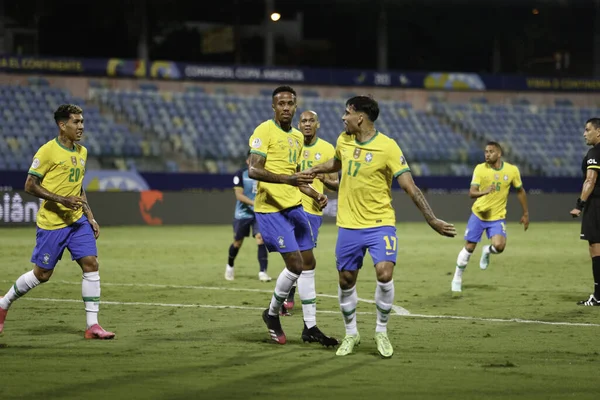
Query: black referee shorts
590, 222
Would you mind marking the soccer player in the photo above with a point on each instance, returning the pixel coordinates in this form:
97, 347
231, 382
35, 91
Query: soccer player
244, 219
64, 220
589, 203
276, 146
490, 186
316, 151
369, 161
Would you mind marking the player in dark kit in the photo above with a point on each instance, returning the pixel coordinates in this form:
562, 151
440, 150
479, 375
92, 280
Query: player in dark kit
589, 204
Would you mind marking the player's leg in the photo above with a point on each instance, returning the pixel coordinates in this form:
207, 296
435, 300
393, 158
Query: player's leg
82, 245
262, 253
315, 224
383, 247
241, 229
496, 231
590, 232
278, 235
306, 282
49, 247
349, 254
472, 237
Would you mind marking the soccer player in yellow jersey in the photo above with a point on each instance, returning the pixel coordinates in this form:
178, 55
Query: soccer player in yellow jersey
316, 151
490, 186
369, 161
64, 220
275, 148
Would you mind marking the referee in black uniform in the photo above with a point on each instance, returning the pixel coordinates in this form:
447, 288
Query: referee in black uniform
589, 204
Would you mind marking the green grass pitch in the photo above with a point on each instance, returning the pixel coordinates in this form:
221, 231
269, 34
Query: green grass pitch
184, 332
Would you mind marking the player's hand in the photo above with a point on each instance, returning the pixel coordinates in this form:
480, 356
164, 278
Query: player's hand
95, 228
72, 202
575, 213
301, 178
443, 228
490, 189
322, 200
525, 221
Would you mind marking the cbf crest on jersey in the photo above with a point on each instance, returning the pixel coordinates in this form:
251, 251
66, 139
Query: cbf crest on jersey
306, 153
356, 153
281, 242
496, 176
369, 157
74, 161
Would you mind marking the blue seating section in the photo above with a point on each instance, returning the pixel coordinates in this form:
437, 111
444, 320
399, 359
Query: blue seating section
27, 122
549, 139
217, 126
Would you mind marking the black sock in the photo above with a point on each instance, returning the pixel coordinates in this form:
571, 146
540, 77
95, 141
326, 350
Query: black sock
596, 272
232, 254
263, 257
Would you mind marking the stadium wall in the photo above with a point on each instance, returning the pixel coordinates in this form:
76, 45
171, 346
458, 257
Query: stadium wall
419, 98
154, 207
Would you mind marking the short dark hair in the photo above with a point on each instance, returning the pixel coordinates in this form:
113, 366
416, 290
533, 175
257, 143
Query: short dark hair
594, 121
496, 145
284, 89
365, 104
64, 111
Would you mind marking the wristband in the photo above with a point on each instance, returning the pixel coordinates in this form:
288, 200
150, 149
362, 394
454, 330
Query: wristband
580, 204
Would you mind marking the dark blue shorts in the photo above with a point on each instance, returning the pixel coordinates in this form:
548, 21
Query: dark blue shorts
475, 228
315, 225
352, 245
241, 228
286, 231
50, 245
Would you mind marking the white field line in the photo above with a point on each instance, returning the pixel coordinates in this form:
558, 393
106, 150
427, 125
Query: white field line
399, 311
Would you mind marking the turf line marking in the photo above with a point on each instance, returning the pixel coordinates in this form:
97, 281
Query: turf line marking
397, 309
513, 320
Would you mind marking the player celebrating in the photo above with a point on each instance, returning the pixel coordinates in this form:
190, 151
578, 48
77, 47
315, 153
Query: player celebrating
369, 160
244, 219
490, 186
589, 203
275, 147
64, 220
316, 151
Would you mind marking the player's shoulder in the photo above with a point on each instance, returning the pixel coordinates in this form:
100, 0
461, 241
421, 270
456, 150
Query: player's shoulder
481, 167
297, 134
385, 141
81, 149
344, 138
325, 145
593, 153
264, 126
511, 167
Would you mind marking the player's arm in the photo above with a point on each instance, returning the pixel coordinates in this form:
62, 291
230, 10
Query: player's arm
87, 210
522, 196
474, 191
407, 183
332, 165
331, 181
33, 186
256, 170
319, 197
241, 197
591, 176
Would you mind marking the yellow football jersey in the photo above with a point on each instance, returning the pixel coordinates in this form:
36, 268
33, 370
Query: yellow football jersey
315, 154
61, 171
365, 196
492, 206
282, 150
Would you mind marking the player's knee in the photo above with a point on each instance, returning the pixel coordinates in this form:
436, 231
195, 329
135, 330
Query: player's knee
42, 275
259, 239
346, 281
470, 247
499, 247
90, 264
238, 243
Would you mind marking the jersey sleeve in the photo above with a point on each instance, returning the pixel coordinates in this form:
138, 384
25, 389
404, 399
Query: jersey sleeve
396, 161
593, 159
516, 182
476, 179
259, 141
41, 163
238, 180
